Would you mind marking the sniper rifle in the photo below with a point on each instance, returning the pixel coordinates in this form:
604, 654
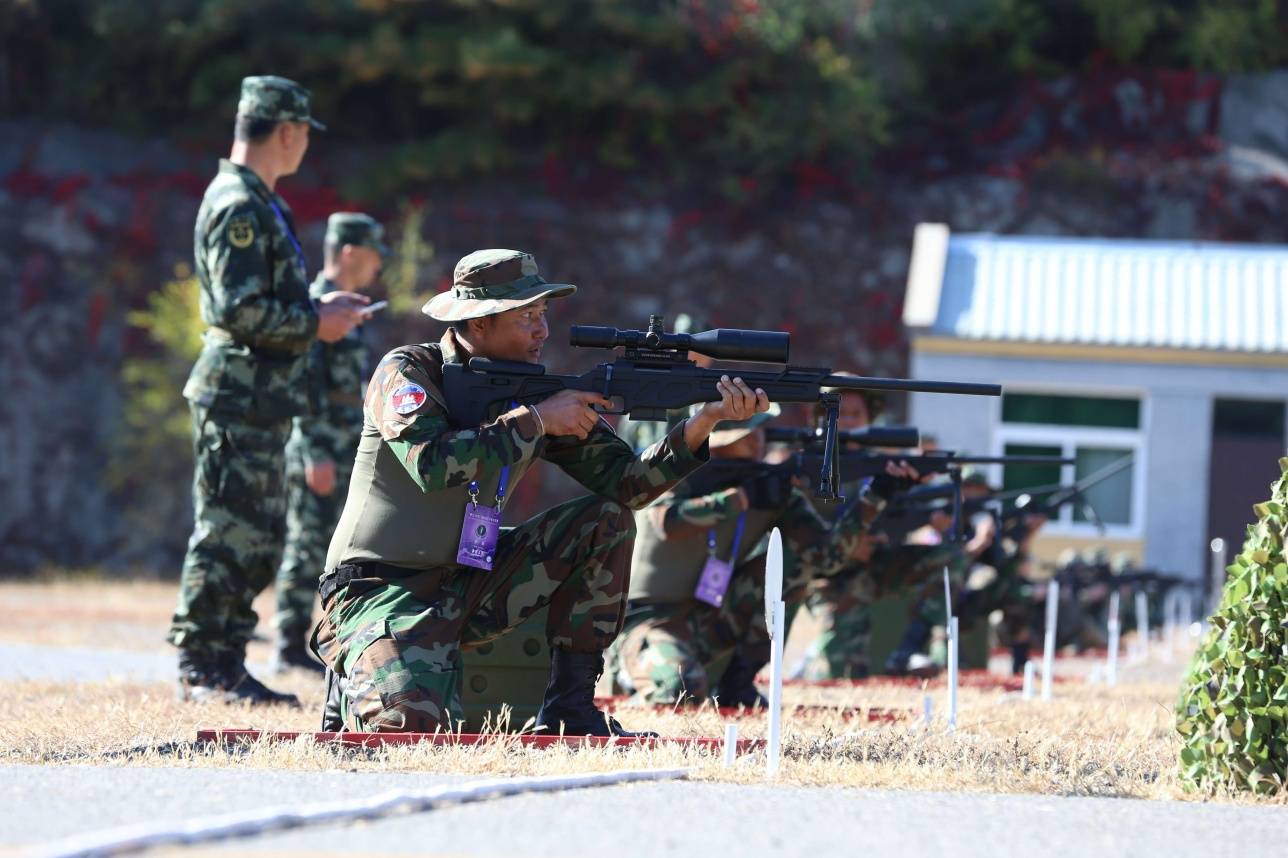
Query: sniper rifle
654, 375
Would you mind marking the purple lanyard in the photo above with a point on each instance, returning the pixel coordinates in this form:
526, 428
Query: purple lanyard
737, 539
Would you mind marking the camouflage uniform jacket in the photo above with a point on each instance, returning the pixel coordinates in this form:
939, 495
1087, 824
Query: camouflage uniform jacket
254, 297
411, 478
337, 373
671, 546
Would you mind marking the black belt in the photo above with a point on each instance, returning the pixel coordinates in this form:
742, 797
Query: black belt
346, 572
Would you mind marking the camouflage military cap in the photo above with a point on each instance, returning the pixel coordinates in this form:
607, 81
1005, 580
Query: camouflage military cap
487, 282
730, 431
356, 228
972, 476
276, 98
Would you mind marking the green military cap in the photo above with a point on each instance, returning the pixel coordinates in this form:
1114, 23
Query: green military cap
727, 432
487, 282
356, 228
276, 98
972, 476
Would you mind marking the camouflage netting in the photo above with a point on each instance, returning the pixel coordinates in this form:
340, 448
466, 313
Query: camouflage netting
1233, 710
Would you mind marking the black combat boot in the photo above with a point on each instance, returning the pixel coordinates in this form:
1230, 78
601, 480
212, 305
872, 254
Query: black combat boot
737, 687
331, 720
1019, 658
906, 660
569, 704
224, 679
292, 653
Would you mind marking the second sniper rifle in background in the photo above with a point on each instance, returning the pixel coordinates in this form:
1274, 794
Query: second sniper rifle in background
654, 375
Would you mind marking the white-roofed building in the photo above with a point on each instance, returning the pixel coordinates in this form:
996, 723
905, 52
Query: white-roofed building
1176, 352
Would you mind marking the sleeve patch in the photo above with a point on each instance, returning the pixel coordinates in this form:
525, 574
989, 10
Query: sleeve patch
407, 398
241, 232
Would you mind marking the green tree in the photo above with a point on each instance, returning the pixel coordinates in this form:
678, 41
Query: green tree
1233, 709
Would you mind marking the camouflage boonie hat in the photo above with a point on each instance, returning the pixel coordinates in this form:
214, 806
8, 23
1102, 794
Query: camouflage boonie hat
488, 282
730, 431
276, 98
356, 228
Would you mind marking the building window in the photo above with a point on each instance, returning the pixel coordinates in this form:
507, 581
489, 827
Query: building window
1096, 432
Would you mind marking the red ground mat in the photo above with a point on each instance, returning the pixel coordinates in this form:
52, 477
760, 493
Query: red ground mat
872, 714
373, 740
980, 679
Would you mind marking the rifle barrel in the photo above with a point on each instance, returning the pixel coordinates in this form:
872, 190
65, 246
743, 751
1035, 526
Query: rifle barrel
968, 388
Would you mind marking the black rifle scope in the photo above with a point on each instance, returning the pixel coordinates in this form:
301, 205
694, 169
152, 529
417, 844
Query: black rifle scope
721, 343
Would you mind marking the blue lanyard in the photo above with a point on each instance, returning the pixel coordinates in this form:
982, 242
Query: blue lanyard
473, 487
299, 251
737, 539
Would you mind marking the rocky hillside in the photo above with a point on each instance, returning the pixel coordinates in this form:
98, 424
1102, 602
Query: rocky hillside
92, 223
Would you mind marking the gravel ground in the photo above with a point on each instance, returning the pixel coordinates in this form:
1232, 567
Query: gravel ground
45, 802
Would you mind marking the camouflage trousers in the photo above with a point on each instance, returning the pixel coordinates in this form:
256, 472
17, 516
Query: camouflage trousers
671, 653
310, 521
238, 516
396, 636
841, 605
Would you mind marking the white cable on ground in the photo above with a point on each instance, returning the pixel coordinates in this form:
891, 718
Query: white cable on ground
136, 838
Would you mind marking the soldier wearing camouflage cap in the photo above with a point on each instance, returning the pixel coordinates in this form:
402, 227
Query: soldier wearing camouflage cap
319, 455
417, 569
247, 385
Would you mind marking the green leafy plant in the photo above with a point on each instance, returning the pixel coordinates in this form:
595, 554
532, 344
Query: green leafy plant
150, 468
1233, 708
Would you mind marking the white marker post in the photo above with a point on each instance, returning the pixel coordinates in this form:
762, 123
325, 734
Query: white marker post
1048, 645
952, 673
775, 620
1218, 575
1029, 668
730, 744
948, 601
1142, 625
1115, 633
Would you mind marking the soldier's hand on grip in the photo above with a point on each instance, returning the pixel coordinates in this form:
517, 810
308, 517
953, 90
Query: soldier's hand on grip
569, 412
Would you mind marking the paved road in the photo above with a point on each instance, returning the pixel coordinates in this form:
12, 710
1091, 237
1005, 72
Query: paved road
83, 664
42, 802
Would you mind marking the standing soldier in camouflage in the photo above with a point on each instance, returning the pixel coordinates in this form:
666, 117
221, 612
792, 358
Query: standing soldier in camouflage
319, 455
247, 384
417, 569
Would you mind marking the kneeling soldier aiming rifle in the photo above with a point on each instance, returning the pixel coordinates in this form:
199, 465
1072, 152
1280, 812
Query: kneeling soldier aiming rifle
418, 567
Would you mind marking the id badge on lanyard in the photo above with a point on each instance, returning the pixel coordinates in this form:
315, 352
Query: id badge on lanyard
716, 573
482, 526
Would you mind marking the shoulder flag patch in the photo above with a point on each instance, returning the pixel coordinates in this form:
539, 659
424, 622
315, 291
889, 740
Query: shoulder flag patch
407, 398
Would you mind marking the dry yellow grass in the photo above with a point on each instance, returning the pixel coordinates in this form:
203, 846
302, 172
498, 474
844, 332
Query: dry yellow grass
1089, 741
